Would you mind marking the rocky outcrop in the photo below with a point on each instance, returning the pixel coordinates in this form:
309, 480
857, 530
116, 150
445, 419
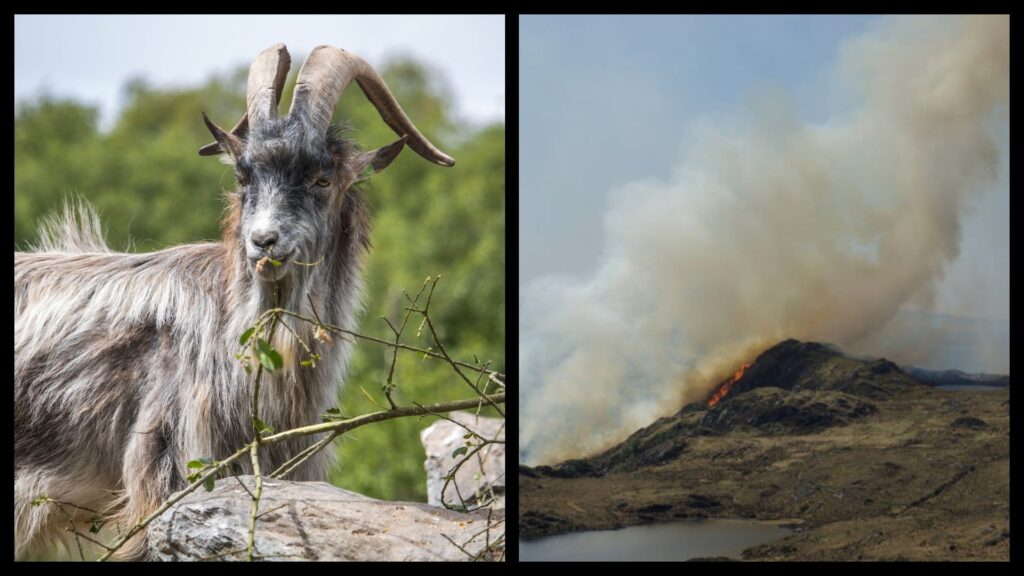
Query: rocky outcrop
315, 521
795, 365
484, 471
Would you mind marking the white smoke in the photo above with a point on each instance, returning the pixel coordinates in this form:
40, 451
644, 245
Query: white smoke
779, 229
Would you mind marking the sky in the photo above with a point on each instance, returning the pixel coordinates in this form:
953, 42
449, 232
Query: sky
96, 54
606, 101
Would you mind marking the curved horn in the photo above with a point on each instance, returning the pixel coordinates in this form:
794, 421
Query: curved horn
263, 92
324, 76
266, 82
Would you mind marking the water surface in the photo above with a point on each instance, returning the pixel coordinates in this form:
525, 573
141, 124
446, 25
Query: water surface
670, 541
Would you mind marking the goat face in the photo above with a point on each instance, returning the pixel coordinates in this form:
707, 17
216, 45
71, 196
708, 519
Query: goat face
293, 172
290, 183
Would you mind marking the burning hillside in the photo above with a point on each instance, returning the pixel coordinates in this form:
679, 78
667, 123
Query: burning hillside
723, 388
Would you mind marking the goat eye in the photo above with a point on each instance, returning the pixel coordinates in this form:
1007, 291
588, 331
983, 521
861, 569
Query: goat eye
323, 182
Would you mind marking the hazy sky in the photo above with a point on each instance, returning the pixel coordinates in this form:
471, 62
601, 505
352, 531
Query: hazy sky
90, 57
607, 100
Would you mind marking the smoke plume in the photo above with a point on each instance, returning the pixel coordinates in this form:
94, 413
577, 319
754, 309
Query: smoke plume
777, 229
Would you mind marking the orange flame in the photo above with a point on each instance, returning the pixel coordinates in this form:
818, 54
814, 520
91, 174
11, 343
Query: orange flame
723, 390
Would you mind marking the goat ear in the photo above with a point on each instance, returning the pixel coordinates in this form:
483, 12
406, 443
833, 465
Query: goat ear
379, 159
226, 141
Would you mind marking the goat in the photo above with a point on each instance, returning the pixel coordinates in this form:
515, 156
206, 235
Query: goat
124, 364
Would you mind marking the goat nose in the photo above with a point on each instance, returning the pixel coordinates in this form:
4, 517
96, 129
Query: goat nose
264, 239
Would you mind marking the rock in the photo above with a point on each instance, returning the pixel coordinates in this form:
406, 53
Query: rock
703, 501
442, 438
969, 422
314, 521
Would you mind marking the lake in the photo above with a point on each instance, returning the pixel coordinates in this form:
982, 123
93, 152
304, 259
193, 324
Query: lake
669, 541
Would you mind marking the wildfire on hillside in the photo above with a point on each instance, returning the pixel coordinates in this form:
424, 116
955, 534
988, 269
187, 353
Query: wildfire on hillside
723, 389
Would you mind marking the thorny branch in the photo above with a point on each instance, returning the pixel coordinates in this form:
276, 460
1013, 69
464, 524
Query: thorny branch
335, 426
342, 426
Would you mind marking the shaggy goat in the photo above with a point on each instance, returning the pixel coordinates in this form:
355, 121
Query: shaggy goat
124, 364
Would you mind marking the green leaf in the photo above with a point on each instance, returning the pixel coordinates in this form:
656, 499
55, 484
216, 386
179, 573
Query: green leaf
269, 357
202, 462
331, 415
261, 426
459, 451
40, 500
276, 263
208, 484
246, 335
312, 360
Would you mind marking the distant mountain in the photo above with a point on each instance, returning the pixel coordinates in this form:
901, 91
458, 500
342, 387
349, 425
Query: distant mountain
941, 341
956, 377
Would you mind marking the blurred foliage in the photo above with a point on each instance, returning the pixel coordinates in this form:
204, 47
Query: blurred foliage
152, 190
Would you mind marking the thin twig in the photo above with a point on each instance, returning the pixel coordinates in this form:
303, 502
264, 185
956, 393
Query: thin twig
342, 332
244, 487
274, 509
444, 353
297, 337
259, 371
286, 468
388, 387
255, 455
352, 423
90, 539
456, 544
